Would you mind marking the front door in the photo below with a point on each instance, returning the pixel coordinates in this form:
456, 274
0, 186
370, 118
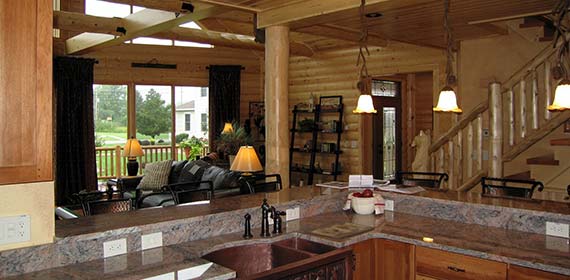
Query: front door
387, 128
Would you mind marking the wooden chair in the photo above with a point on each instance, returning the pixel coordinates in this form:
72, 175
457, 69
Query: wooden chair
108, 206
263, 183
430, 180
509, 188
191, 191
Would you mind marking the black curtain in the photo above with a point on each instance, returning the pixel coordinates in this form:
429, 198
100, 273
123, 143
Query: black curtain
75, 128
224, 97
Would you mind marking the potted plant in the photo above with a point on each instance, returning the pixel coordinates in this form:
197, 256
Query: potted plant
192, 147
230, 142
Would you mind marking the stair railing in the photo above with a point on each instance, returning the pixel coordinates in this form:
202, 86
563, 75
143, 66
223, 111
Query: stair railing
515, 111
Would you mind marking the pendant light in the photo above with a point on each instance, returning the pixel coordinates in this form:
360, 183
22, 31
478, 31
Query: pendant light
365, 104
562, 93
447, 101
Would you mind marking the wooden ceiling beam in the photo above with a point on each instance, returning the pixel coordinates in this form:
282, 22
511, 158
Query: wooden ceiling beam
342, 33
163, 5
286, 14
140, 24
86, 23
230, 5
99, 28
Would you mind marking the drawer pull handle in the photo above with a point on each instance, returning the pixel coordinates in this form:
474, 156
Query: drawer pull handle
453, 268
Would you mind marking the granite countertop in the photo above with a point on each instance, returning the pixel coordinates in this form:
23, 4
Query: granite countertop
520, 248
145, 216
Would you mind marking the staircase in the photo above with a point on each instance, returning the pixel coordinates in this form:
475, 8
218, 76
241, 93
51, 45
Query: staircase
516, 117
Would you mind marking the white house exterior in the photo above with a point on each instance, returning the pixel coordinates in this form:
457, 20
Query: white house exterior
193, 113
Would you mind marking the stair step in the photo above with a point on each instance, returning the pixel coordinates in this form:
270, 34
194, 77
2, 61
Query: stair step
545, 39
543, 160
531, 22
520, 176
560, 142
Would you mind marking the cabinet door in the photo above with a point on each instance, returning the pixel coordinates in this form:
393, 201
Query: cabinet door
523, 273
394, 260
25, 91
364, 260
445, 265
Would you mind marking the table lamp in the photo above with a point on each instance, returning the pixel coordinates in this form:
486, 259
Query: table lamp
246, 161
132, 150
228, 128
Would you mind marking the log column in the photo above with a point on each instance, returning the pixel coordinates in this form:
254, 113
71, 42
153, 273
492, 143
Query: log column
277, 102
496, 164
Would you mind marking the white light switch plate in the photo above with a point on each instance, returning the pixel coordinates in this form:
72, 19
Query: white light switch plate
388, 205
14, 229
292, 214
557, 229
152, 240
115, 247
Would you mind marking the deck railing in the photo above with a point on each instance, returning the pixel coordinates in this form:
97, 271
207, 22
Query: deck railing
111, 163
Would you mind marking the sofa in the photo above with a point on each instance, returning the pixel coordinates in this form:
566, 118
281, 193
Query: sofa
190, 173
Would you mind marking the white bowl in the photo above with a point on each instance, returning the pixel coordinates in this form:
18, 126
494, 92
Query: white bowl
363, 205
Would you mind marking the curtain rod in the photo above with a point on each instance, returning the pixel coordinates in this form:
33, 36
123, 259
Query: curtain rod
242, 68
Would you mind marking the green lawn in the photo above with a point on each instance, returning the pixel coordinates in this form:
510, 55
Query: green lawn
112, 139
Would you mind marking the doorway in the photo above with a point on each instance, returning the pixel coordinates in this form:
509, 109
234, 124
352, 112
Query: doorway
387, 128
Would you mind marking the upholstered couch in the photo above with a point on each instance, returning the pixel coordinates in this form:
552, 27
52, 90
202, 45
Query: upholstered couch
225, 183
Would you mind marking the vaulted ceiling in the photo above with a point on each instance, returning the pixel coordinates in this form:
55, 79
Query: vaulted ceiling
318, 25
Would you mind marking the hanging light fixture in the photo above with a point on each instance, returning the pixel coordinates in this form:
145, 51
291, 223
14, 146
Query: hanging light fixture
447, 101
365, 104
562, 93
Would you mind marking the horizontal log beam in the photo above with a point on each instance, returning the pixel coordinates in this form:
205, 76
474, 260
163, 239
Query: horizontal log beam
342, 33
101, 28
164, 5
143, 23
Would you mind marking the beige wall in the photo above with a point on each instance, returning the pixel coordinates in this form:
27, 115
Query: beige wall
35, 200
336, 73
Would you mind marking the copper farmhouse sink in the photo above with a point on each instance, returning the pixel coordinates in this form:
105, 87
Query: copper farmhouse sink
283, 258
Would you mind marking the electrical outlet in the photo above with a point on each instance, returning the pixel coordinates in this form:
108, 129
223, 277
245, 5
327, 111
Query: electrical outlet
114, 248
388, 205
153, 240
14, 229
292, 214
557, 229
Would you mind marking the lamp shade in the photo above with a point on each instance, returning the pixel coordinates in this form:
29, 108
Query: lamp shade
246, 160
561, 96
447, 101
228, 128
365, 105
133, 148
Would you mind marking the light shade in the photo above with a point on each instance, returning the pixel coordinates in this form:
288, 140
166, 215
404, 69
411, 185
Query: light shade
561, 97
246, 160
133, 148
365, 105
447, 101
228, 128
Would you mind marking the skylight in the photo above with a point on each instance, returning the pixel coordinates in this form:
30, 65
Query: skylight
106, 9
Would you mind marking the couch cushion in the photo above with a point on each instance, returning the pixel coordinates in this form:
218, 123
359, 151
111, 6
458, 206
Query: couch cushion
162, 199
177, 167
193, 171
155, 175
226, 179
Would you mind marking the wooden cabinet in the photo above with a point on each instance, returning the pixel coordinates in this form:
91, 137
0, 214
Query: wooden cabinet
439, 264
523, 273
394, 260
364, 260
25, 91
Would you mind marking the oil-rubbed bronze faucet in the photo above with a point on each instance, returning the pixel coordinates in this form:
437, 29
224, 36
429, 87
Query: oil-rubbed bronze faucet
247, 225
265, 219
277, 220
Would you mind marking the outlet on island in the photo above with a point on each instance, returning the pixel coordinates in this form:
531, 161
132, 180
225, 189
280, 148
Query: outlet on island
293, 214
115, 247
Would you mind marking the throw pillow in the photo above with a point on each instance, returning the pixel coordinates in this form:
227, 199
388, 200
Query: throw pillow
193, 171
155, 175
176, 170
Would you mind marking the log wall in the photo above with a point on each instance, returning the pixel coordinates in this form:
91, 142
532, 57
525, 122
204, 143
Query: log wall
336, 73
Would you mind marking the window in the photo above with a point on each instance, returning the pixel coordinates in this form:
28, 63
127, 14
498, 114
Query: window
154, 114
204, 123
187, 122
56, 7
108, 9
204, 91
385, 88
110, 114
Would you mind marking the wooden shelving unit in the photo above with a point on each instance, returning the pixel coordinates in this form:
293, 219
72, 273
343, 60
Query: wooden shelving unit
317, 131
